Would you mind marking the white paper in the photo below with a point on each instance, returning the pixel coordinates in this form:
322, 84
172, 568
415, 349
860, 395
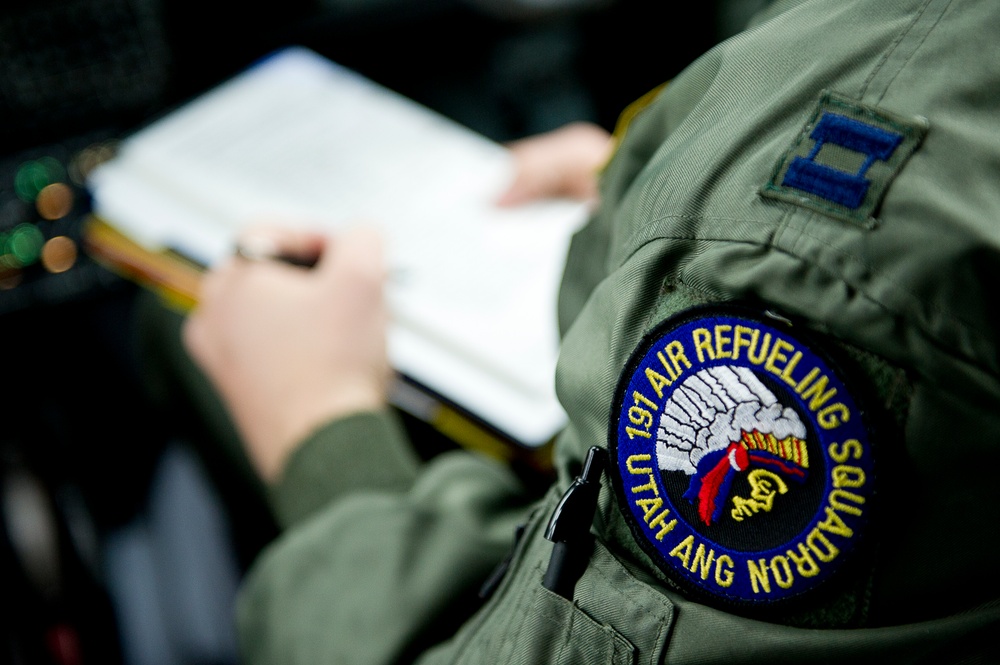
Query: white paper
301, 139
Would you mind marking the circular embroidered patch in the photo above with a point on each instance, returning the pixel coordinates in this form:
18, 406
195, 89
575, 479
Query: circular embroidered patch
740, 457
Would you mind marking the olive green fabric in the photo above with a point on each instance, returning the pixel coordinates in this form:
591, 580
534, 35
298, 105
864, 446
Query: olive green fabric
379, 576
913, 290
322, 468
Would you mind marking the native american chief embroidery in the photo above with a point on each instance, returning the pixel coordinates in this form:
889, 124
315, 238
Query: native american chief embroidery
722, 422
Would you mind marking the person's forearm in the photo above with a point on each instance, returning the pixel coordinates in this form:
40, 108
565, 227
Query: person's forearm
365, 451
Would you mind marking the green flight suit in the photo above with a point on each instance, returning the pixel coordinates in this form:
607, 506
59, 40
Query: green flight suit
382, 555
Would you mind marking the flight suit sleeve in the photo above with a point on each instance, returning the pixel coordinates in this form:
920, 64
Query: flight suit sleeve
381, 556
337, 459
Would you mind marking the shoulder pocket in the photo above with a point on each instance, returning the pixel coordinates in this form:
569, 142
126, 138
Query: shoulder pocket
534, 626
557, 631
614, 618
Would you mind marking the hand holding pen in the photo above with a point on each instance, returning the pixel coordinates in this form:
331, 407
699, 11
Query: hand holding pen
297, 248
289, 349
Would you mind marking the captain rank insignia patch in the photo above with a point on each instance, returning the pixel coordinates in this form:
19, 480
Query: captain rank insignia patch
842, 162
740, 457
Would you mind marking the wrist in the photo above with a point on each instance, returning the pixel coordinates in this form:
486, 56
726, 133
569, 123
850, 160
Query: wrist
271, 444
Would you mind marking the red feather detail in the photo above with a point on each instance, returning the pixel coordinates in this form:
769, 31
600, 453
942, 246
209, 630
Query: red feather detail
710, 484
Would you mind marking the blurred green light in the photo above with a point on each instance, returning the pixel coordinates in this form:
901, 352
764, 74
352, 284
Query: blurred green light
53, 169
31, 177
6, 260
25, 244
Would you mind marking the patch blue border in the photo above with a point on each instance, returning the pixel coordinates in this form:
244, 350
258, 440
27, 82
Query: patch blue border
623, 446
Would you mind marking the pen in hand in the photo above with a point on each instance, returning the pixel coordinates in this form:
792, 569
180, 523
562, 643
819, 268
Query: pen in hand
259, 248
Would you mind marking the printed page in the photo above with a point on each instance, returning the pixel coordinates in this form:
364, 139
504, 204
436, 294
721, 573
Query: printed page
300, 140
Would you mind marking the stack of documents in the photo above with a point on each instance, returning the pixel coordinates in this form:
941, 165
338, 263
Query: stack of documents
299, 139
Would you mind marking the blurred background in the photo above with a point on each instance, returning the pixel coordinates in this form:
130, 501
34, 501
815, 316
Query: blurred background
120, 542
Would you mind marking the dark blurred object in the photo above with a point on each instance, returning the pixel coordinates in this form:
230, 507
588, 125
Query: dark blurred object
211, 40
508, 70
69, 66
636, 45
732, 16
74, 76
172, 574
53, 610
77, 450
42, 205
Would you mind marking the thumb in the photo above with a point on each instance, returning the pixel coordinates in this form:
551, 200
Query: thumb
526, 187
